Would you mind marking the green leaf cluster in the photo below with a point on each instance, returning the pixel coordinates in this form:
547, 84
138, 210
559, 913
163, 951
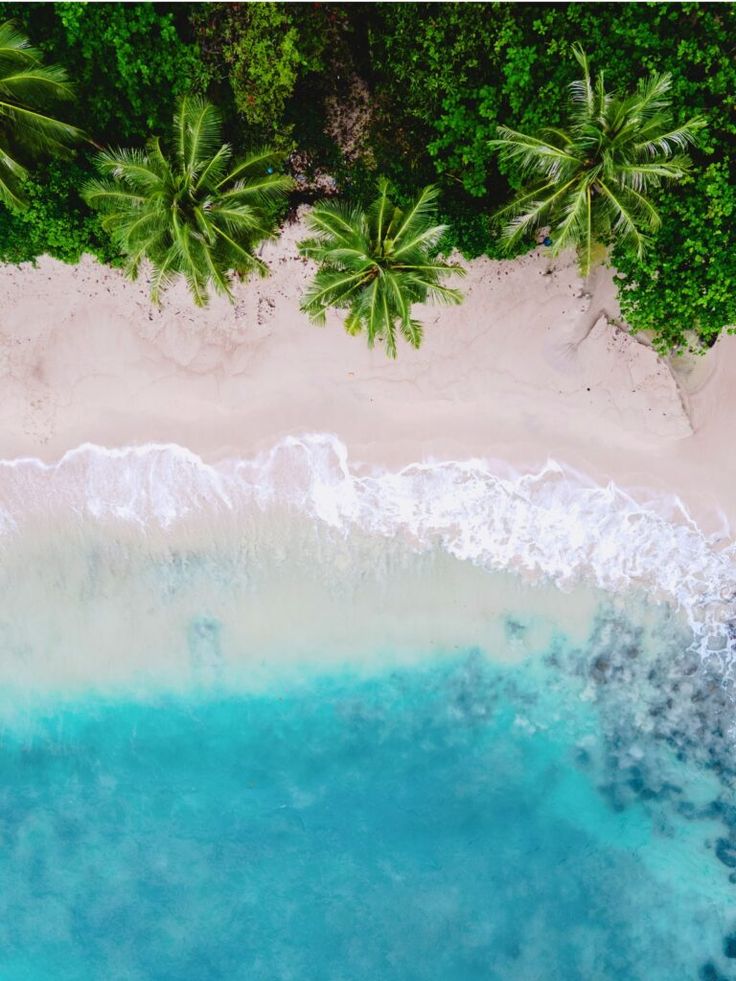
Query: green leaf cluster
262, 51
446, 75
128, 63
55, 220
30, 94
376, 263
188, 208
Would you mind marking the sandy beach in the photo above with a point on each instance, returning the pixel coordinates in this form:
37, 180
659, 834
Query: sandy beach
532, 366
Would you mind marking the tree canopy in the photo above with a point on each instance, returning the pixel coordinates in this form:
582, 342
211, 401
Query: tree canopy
592, 179
189, 209
376, 263
29, 94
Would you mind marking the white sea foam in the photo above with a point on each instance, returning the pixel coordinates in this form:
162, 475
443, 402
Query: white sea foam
554, 524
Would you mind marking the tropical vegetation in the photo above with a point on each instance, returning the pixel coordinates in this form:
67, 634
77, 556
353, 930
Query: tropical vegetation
29, 93
376, 263
191, 211
591, 181
441, 77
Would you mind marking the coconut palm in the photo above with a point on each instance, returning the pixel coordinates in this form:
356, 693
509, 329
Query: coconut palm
28, 92
191, 212
591, 181
376, 263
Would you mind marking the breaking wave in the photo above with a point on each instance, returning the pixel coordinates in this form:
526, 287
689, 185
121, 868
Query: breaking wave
554, 524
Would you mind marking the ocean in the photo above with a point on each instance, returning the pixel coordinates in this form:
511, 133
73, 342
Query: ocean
291, 718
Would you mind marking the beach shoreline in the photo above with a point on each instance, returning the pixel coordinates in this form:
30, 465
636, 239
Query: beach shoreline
531, 368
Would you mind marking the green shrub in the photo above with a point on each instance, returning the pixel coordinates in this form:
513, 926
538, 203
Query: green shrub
445, 75
684, 289
56, 221
262, 50
128, 63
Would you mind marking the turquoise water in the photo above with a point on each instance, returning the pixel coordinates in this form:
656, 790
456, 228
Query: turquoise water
278, 720
456, 820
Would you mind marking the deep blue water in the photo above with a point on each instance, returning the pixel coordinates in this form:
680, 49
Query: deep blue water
448, 822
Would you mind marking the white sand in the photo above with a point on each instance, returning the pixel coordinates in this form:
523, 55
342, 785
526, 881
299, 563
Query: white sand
527, 368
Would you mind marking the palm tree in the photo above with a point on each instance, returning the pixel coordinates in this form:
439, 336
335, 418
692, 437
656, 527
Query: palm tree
28, 91
376, 263
590, 182
193, 212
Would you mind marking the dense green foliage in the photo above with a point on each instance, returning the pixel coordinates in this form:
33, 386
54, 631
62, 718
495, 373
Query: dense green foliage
447, 75
263, 50
442, 77
30, 91
189, 209
376, 263
129, 64
684, 290
55, 220
128, 61
592, 179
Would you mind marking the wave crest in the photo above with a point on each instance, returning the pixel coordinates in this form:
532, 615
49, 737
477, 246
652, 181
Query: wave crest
554, 524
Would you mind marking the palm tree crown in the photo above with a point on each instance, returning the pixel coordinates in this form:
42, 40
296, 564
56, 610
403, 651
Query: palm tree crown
590, 181
375, 264
28, 90
194, 212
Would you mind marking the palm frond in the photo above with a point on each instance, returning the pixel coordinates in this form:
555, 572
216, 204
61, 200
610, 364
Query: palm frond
444, 294
369, 308
37, 128
376, 264
581, 90
213, 171
625, 222
331, 288
433, 269
533, 154
198, 127
422, 235
651, 97
131, 167
28, 92
532, 210
419, 213
256, 164
174, 209
12, 175
413, 331
262, 190
380, 209
244, 261
103, 194
640, 175
163, 275
589, 180
675, 140
338, 222
399, 299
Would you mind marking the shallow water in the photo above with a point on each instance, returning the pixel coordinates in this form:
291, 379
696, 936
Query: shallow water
445, 821
262, 742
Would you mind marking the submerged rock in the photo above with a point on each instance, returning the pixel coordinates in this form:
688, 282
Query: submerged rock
729, 945
726, 852
709, 972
